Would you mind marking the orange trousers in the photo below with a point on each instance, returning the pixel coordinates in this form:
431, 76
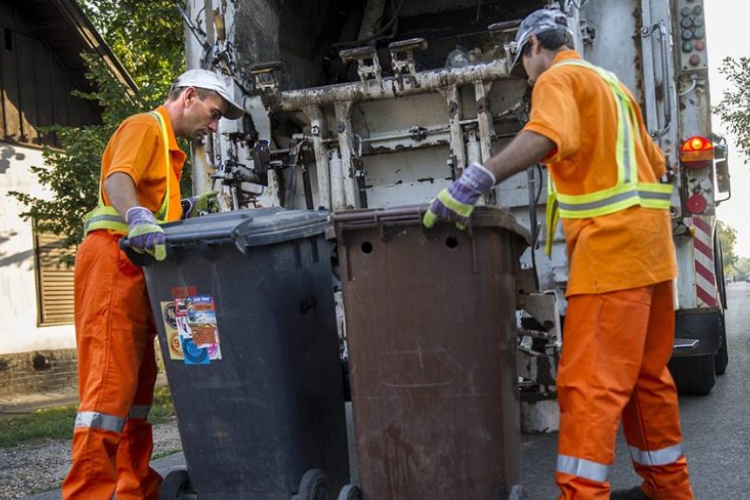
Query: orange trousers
112, 440
614, 366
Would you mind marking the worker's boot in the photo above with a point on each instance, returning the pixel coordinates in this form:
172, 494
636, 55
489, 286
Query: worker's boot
631, 494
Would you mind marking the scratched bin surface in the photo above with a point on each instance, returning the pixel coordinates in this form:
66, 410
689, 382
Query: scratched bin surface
432, 349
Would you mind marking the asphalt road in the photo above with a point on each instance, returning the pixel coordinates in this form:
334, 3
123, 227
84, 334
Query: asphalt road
716, 430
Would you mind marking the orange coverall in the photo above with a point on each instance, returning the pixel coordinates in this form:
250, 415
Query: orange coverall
115, 331
619, 325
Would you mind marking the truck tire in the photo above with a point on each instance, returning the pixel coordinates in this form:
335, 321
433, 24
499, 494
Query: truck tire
693, 375
722, 355
721, 360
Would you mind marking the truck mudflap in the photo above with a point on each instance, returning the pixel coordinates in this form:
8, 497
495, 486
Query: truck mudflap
699, 338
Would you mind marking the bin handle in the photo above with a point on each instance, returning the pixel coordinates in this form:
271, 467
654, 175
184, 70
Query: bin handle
139, 259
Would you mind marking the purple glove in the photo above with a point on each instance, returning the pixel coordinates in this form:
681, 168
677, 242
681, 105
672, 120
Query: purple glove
456, 202
145, 235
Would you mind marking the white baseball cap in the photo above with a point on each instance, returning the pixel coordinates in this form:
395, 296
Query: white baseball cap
209, 80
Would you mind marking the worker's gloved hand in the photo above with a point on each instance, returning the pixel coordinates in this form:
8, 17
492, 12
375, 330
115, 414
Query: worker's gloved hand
145, 235
456, 202
204, 202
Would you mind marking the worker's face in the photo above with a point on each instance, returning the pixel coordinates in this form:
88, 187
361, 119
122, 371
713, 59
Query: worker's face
533, 62
201, 116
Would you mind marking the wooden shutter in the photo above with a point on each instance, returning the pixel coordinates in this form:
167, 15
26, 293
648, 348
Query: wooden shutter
54, 282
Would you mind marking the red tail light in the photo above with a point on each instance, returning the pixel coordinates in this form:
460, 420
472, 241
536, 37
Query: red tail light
697, 152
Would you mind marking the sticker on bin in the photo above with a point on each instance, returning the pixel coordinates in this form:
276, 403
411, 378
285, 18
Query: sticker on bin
170, 327
195, 320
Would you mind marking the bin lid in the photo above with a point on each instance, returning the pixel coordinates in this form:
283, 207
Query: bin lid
482, 216
247, 228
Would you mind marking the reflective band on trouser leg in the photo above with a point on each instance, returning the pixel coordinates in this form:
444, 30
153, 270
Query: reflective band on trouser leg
96, 420
651, 419
598, 369
136, 479
580, 467
112, 332
652, 458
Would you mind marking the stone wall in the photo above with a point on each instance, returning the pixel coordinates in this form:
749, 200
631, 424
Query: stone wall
38, 372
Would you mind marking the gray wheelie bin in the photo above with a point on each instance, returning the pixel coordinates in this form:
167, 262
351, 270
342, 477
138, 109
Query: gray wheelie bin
430, 321
245, 314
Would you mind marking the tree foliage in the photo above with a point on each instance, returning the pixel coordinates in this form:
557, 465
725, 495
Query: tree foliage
147, 38
734, 108
728, 238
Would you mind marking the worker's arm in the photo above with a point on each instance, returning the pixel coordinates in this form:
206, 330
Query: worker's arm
144, 233
526, 149
120, 189
456, 202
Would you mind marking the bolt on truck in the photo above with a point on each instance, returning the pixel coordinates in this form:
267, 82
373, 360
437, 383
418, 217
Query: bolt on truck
380, 103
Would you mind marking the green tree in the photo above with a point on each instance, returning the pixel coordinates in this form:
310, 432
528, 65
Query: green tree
742, 268
728, 238
734, 108
147, 37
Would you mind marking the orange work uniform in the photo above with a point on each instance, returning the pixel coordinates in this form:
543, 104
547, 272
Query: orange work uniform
619, 326
115, 331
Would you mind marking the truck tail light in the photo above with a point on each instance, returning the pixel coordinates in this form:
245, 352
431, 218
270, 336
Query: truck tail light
696, 153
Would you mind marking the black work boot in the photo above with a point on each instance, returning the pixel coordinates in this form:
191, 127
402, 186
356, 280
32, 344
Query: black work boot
631, 494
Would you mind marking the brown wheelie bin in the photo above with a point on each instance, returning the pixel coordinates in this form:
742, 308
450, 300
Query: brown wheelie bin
430, 318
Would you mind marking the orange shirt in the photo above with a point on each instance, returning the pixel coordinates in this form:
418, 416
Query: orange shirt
575, 108
137, 149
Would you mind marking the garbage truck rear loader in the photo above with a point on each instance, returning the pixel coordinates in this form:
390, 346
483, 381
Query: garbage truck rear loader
381, 103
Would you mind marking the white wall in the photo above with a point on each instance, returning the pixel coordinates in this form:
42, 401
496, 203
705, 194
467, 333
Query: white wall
19, 330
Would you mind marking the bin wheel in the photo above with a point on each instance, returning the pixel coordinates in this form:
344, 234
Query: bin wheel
314, 486
175, 485
350, 492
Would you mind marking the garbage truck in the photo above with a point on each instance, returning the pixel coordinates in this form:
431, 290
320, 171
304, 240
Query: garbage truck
355, 104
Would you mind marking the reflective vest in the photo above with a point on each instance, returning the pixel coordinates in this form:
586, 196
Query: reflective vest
107, 217
627, 192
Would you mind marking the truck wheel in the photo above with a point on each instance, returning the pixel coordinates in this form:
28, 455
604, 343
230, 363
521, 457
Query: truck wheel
314, 486
721, 360
695, 375
175, 485
350, 492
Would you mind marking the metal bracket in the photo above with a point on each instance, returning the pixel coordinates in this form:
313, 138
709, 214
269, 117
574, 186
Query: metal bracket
368, 65
402, 61
265, 76
539, 350
505, 34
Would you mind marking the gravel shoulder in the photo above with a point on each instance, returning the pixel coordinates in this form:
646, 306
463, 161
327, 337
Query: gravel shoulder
29, 469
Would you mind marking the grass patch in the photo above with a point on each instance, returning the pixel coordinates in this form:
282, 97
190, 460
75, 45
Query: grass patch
57, 423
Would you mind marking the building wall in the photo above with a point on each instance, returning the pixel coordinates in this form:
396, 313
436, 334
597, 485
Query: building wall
20, 332
33, 358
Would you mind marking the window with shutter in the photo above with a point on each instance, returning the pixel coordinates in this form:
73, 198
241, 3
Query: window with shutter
54, 282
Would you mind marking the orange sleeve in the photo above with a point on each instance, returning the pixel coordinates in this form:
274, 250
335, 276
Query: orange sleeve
555, 115
136, 144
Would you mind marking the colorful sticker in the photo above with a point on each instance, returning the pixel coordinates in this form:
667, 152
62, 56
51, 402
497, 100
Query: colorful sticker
194, 355
170, 327
196, 327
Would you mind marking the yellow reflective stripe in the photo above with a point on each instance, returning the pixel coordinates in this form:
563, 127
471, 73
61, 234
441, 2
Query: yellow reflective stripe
161, 214
627, 170
552, 217
627, 192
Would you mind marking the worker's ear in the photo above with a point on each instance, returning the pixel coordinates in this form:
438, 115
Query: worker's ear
189, 95
535, 45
